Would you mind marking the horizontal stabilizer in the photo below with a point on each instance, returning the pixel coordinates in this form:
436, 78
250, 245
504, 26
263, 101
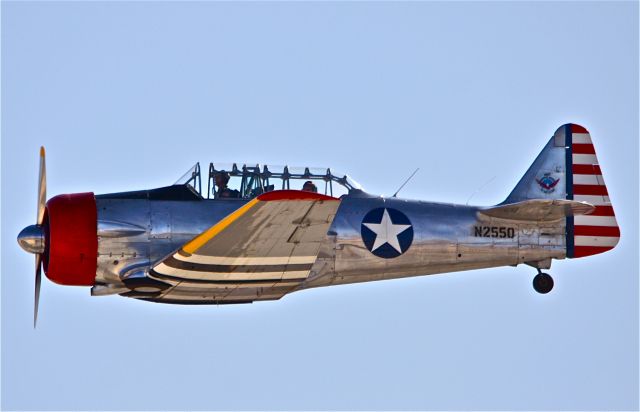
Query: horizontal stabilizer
539, 210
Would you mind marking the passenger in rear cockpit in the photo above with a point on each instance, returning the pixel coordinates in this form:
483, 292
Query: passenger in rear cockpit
222, 180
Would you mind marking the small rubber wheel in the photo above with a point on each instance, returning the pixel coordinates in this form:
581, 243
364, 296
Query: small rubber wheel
543, 283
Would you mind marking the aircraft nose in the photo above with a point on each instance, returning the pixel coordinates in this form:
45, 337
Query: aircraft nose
31, 239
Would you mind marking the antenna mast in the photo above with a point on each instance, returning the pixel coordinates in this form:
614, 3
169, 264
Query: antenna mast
405, 182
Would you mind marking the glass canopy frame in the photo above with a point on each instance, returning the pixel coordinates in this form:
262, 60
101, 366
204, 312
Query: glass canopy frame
258, 179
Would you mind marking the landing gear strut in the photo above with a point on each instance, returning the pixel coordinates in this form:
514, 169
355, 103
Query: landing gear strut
542, 283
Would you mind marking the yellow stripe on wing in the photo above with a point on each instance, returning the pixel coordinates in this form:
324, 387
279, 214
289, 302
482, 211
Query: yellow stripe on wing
207, 235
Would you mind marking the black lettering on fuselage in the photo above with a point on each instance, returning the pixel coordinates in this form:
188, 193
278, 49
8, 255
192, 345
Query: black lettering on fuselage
494, 232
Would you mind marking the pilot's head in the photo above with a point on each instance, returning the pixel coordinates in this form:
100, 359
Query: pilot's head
309, 187
222, 179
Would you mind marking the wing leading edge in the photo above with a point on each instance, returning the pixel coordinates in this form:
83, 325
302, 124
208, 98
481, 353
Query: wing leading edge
262, 251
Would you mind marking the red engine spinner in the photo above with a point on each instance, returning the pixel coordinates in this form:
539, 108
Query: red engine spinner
71, 231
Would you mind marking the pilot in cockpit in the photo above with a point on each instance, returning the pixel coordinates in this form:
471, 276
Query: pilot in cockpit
222, 180
309, 186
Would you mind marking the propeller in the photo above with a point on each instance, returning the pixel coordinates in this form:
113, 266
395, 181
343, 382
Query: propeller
32, 238
42, 199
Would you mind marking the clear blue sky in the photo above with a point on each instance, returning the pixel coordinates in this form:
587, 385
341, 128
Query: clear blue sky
129, 95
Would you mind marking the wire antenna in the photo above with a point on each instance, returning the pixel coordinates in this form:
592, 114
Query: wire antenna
405, 182
479, 189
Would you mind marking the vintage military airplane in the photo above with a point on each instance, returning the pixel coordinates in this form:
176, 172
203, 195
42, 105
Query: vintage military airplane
175, 244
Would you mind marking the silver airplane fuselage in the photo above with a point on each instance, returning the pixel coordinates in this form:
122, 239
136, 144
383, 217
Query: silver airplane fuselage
446, 238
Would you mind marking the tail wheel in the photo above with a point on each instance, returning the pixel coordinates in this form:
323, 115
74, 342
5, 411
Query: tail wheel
543, 283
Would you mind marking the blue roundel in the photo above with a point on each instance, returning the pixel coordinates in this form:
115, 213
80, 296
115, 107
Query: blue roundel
387, 233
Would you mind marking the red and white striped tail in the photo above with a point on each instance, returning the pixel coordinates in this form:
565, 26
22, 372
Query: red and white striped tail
597, 232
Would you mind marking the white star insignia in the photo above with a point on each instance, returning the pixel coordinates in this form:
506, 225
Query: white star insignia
386, 232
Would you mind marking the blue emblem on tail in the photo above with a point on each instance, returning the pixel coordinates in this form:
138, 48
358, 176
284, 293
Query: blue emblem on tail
547, 183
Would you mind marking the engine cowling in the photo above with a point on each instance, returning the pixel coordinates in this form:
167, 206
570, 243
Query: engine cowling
71, 239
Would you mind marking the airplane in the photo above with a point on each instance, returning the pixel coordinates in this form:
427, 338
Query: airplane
264, 239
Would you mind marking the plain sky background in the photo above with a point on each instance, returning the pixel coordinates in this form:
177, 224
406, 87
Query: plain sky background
129, 95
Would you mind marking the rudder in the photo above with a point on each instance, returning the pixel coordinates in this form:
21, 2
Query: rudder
597, 232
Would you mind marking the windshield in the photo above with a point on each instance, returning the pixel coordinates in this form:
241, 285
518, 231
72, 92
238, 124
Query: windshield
192, 178
246, 181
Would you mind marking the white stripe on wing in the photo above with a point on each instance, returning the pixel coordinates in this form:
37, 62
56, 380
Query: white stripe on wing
191, 274
246, 261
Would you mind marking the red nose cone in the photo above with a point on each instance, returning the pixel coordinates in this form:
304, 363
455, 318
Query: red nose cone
71, 255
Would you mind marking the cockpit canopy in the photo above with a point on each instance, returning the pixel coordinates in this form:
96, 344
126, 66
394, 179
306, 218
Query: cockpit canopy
248, 181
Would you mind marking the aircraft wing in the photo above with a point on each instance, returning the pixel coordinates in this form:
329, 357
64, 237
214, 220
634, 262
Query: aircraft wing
261, 251
539, 210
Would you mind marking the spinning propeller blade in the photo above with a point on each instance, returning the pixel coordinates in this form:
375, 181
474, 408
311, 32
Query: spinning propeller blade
42, 188
37, 288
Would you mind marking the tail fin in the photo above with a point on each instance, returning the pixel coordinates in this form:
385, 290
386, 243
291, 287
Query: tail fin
567, 168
